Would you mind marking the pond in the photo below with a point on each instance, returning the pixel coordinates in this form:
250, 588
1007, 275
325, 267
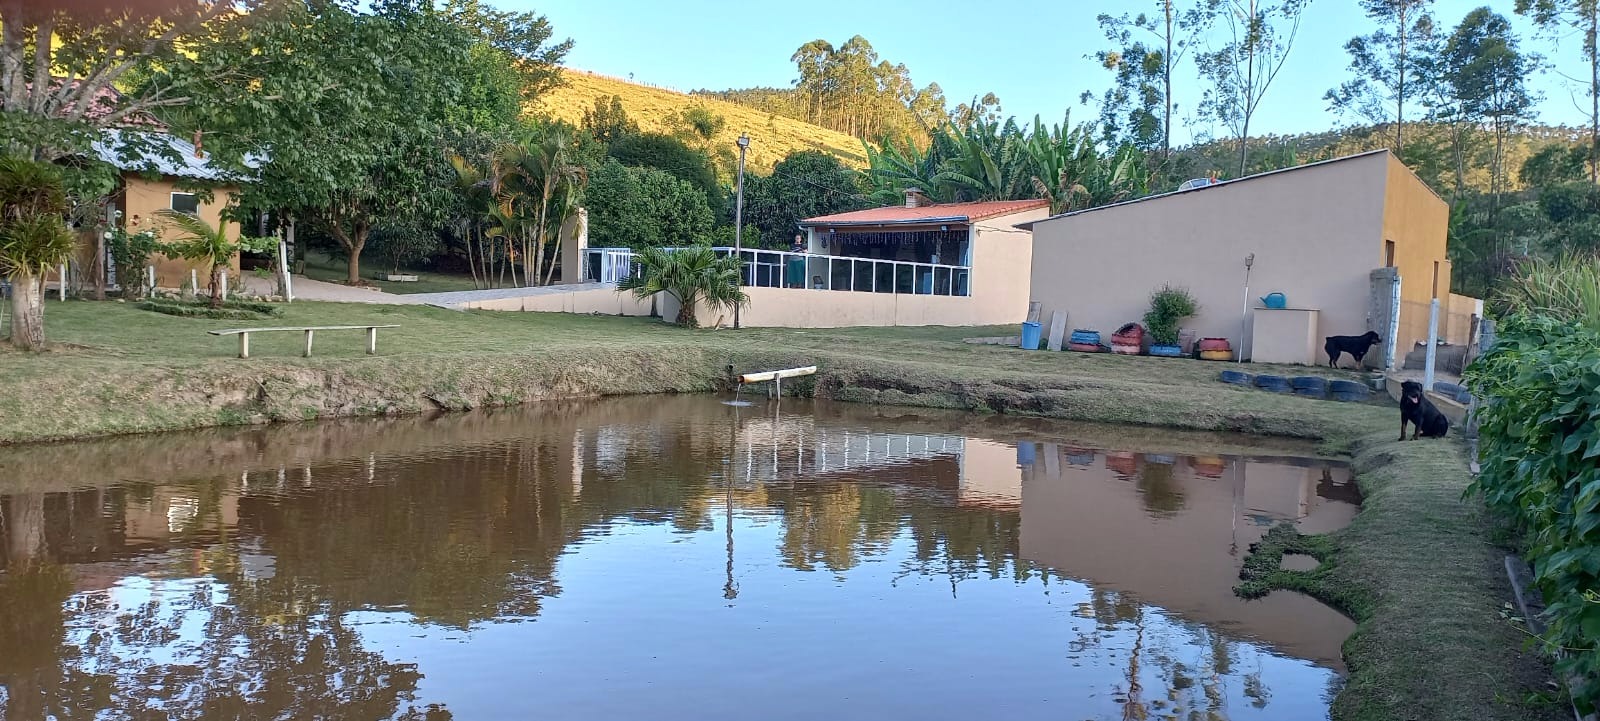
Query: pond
661, 558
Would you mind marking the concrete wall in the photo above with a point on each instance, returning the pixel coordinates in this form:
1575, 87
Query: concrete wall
554, 299
1002, 263
141, 199
1418, 221
1286, 336
1314, 232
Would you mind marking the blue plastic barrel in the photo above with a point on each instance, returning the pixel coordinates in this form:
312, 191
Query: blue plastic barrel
1030, 335
1025, 451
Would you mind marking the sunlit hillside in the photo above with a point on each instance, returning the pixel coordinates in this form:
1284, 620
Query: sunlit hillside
659, 110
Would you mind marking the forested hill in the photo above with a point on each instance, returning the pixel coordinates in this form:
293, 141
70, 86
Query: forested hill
772, 137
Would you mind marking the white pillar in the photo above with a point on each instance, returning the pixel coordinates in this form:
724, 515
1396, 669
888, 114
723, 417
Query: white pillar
283, 268
222, 289
150, 279
194, 282
61, 275
1433, 344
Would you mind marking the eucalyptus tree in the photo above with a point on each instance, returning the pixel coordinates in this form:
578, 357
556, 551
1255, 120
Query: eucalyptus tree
1555, 18
1259, 37
1383, 64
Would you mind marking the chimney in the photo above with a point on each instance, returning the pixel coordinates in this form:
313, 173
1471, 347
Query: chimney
915, 198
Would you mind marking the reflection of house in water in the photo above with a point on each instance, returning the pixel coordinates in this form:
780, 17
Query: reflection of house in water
1172, 531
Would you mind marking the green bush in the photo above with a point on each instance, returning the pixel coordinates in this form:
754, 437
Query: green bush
1169, 307
1539, 403
230, 310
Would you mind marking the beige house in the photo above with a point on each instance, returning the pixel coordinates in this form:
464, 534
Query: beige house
1316, 233
166, 176
952, 264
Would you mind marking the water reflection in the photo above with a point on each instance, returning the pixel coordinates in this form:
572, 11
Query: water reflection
604, 560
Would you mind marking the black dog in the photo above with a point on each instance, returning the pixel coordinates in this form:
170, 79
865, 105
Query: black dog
1416, 409
1356, 345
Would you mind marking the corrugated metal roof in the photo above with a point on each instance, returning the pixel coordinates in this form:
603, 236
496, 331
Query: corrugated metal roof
939, 213
149, 152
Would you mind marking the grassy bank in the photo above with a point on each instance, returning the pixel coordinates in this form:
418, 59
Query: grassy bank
1418, 569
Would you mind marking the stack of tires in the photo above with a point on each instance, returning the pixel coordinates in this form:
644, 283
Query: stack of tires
1128, 340
1086, 341
1238, 378
1215, 349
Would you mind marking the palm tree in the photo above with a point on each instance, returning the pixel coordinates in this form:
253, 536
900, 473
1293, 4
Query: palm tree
536, 182
33, 237
691, 275
198, 242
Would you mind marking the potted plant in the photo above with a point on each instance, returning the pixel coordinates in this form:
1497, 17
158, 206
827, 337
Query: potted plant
1169, 307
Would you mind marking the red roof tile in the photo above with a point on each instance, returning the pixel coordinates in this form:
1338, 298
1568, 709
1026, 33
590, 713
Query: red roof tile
948, 212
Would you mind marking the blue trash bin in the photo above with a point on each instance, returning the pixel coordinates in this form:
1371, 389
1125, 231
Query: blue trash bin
1030, 335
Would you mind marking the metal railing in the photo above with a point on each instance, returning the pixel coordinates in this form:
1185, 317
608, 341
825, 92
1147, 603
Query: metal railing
784, 269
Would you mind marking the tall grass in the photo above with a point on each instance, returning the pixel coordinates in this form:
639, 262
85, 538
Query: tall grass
1567, 289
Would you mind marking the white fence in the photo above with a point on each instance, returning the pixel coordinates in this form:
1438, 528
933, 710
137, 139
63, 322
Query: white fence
783, 269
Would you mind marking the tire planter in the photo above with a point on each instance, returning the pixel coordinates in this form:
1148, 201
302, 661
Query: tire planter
1209, 466
1216, 355
1166, 351
1276, 384
1348, 387
1301, 383
1085, 337
1214, 344
1124, 349
1084, 347
1128, 340
1123, 464
1238, 378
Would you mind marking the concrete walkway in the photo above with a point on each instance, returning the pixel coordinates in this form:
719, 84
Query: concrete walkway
308, 289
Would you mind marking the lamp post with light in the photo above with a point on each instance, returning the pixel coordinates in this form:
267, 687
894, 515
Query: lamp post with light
738, 220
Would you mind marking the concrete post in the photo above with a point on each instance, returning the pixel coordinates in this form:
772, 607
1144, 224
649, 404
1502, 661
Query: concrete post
1433, 344
61, 275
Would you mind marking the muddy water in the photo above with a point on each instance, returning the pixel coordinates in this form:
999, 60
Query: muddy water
661, 558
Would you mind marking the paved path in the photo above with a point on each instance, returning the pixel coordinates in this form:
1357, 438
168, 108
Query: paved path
308, 289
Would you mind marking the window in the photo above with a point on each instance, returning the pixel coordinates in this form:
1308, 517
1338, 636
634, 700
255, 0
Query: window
1388, 254
185, 203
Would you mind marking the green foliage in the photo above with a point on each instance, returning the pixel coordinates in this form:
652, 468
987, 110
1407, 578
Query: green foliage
131, 252
33, 208
702, 122
644, 207
1554, 163
1169, 307
671, 155
608, 122
1539, 398
1239, 73
200, 242
231, 310
692, 275
1137, 109
399, 245
804, 185
523, 40
1567, 290
850, 89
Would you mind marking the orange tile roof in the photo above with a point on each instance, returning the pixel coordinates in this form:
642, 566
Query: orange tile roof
943, 212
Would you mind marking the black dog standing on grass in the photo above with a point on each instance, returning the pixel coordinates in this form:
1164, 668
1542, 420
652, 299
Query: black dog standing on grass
1356, 345
1416, 409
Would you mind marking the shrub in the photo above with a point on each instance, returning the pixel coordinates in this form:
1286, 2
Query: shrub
1539, 393
229, 310
131, 252
1169, 307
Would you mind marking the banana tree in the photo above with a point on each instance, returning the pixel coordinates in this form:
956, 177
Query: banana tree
33, 238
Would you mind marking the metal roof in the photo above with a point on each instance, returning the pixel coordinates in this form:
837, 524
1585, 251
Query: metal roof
153, 152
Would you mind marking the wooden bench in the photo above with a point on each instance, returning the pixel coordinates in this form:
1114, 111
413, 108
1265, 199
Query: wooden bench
309, 330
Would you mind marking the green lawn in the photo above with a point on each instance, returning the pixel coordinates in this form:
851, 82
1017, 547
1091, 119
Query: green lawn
321, 267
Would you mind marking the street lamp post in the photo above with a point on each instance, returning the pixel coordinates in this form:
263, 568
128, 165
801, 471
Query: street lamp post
738, 220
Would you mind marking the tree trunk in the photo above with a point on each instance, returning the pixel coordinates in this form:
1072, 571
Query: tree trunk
686, 312
217, 270
358, 241
98, 267
27, 312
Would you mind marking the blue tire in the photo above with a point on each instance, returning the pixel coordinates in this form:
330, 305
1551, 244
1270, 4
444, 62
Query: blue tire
1349, 387
1317, 383
1237, 378
1276, 384
1448, 390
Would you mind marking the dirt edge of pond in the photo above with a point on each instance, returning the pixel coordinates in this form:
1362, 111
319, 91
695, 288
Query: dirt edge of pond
1417, 568
1420, 569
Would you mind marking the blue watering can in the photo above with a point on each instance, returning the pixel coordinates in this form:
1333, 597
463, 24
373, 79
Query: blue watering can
1275, 301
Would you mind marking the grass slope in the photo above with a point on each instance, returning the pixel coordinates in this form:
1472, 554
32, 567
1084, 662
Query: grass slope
772, 137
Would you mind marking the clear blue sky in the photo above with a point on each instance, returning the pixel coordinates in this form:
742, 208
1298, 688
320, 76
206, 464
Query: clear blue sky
1030, 54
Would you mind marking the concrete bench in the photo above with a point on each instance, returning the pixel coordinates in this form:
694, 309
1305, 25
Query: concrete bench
309, 330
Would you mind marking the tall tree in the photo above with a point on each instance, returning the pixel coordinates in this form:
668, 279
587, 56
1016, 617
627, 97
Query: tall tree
1382, 64
608, 122
1553, 17
806, 184
33, 238
525, 40
1139, 106
1260, 35
61, 64
1487, 74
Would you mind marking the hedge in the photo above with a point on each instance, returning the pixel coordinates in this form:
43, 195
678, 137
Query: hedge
1539, 445
230, 310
